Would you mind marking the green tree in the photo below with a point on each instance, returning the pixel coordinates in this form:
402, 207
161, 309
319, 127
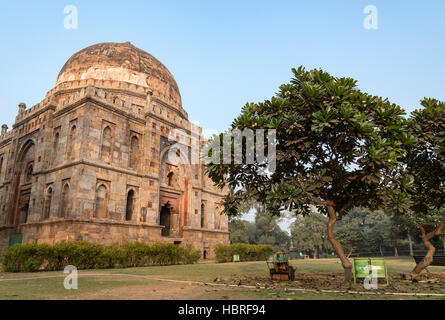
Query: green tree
336, 148
425, 162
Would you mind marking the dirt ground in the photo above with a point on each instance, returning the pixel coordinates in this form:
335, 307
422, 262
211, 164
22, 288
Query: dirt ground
155, 291
427, 283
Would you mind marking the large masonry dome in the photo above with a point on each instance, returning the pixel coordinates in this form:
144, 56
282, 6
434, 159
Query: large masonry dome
111, 63
108, 156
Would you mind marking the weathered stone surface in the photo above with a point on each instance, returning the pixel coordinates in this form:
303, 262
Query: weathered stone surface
96, 159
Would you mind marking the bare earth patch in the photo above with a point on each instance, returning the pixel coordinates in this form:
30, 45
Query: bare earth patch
147, 292
428, 283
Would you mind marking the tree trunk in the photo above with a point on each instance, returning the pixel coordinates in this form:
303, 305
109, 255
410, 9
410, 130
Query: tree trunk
315, 253
426, 239
396, 252
347, 265
411, 252
381, 251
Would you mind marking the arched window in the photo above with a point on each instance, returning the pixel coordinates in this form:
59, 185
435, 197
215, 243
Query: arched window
107, 141
101, 201
55, 147
170, 178
28, 173
130, 206
69, 147
203, 216
134, 152
47, 204
64, 205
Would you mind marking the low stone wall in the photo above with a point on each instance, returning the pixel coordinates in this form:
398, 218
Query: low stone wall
204, 239
104, 232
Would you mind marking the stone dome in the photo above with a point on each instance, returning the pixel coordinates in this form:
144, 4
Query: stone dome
122, 62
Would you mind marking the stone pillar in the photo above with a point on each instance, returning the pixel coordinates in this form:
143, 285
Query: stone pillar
22, 108
4, 129
148, 106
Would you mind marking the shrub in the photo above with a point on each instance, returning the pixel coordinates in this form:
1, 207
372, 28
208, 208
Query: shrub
30, 265
246, 252
113, 257
190, 254
24, 257
30, 257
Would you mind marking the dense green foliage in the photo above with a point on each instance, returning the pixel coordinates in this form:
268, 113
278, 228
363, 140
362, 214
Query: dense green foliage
425, 163
335, 146
30, 257
247, 252
372, 232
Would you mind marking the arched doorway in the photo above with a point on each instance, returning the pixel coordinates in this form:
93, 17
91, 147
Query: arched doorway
165, 219
130, 206
23, 185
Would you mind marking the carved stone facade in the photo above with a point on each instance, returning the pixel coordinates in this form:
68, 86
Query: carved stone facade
106, 157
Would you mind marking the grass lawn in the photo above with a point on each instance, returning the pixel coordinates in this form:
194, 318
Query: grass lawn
179, 282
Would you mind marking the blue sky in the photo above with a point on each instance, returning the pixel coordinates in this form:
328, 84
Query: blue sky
226, 53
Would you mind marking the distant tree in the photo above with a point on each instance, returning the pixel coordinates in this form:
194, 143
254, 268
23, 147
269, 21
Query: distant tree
268, 231
336, 148
308, 233
380, 235
373, 231
350, 235
399, 235
265, 229
238, 231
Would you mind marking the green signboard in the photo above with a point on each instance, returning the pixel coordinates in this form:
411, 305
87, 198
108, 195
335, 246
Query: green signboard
15, 238
369, 267
236, 258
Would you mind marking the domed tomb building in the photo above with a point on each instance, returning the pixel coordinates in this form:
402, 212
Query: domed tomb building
107, 157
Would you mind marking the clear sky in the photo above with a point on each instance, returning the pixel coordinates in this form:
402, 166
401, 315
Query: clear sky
226, 53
